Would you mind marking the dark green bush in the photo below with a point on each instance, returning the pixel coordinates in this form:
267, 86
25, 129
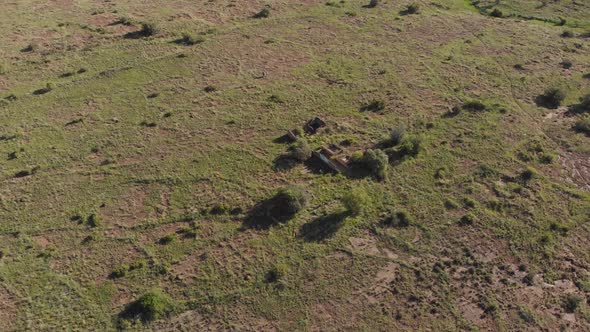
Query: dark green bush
375, 105
149, 29
93, 220
566, 64
190, 39
276, 273
474, 106
583, 106
167, 239
529, 174
571, 303
468, 219
552, 98
120, 271
396, 136
374, 162
496, 13
373, 3
288, 201
411, 9
300, 150
410, 147
583, 125
150, 306
264, 13
567, 34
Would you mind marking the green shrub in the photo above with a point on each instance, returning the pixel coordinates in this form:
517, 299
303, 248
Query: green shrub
496, 13
190, 39
529, 174
583, 106
374, 162
375, 105
373, 3
566, 64
167, 239
300, 150
410, 147
567, 34
356, 201
93, 220
288, 201
277, 272
264, 13
583, 125
396, 136
474, 106
468, 219
526, 315
411, 9
399, 219
571, 303
551, 98
149, 29
150, 306
120, 271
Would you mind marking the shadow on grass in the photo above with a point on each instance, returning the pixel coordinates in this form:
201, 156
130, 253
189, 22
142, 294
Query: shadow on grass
135, 35
323, 227
266, 214
284, 163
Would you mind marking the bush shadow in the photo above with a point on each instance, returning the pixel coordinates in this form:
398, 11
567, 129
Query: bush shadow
323, 227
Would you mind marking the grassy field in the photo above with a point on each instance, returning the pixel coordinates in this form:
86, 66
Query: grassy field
134, 165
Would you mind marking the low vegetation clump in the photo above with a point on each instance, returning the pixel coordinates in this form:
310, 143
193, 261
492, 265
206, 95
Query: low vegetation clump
571, 303
529, 174
375, 105
356, 201
583, 106
264, 13
93, 220
567, 34
396, 137
583, 125
300, 150
288, 201
474, 106
276, 273
371, 162
410, 147
190, 39
373, 3
552, 98
167, 239
411, 9
399, 219
496, 13
149, 29
151, 306
467, 219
